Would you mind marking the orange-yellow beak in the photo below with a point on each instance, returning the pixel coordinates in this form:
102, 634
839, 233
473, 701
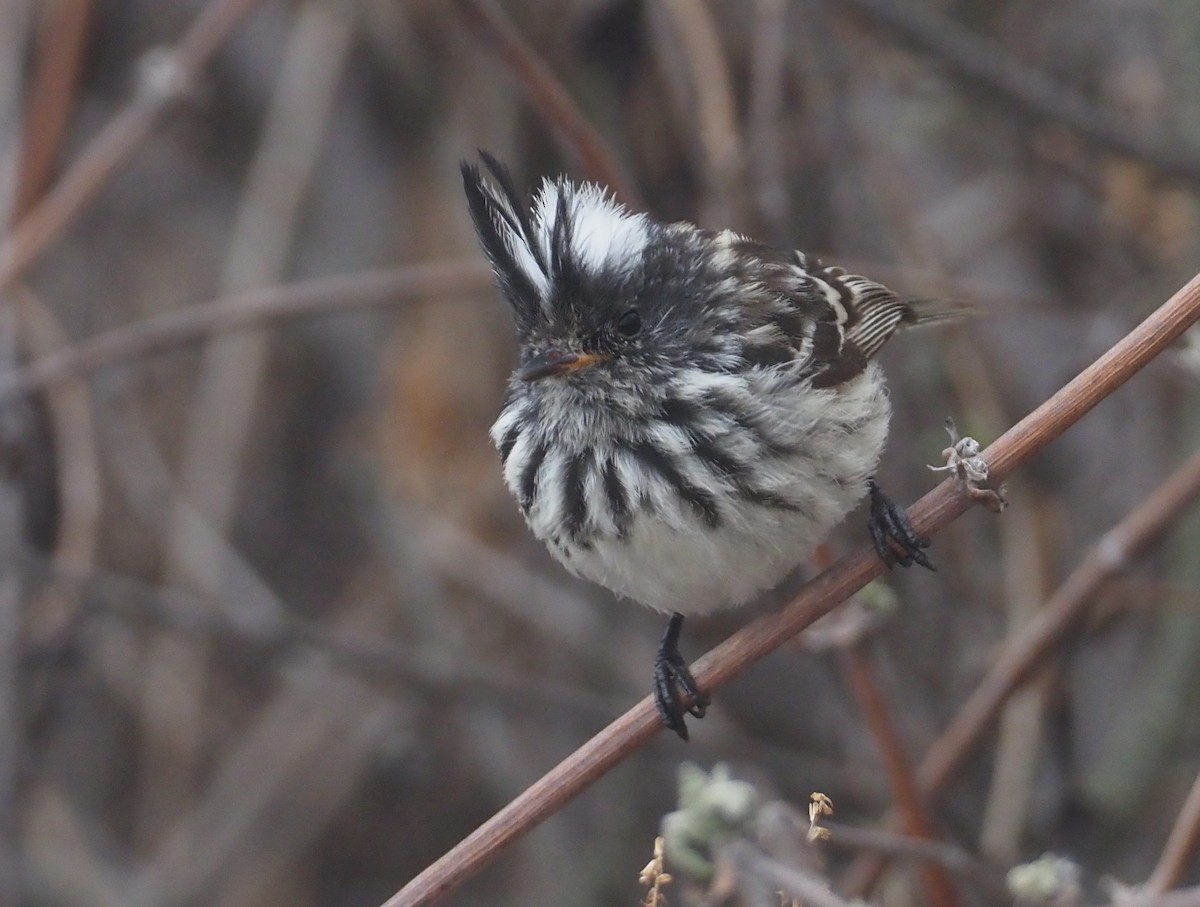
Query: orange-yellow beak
556, 363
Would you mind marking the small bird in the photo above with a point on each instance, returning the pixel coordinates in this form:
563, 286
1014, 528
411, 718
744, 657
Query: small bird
693, 411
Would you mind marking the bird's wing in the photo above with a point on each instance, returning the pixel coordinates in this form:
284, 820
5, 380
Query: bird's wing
836, 321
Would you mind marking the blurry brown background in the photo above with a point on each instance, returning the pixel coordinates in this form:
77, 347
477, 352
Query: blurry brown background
272, 632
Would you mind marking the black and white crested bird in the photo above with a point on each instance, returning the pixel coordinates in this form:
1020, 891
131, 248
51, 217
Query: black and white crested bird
693, 411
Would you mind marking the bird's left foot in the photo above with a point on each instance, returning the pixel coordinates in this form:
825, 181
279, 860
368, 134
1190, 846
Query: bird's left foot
671, 678
896, 542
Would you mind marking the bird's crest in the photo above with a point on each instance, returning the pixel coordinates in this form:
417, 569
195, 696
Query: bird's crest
570, 230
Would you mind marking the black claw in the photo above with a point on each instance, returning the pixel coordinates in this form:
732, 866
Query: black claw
895, 540
672, 677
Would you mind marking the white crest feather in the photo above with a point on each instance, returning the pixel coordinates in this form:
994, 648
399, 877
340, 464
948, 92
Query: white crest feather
518, 248
604, 234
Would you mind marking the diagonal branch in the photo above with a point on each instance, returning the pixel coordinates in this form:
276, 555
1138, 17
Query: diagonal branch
1029, 648
495, 31
979, 64
1036, 641
929, 515
120, 138
1180, 846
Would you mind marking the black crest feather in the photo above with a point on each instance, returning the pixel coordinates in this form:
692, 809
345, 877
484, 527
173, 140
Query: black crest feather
503, 222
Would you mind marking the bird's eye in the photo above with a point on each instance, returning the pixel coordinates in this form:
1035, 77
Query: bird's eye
629, 323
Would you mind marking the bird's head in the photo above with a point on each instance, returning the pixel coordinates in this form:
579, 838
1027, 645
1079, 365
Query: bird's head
602, 298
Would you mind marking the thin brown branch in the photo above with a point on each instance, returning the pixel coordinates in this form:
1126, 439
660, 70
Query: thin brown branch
496, 32
51, 98
1181, 844
1062, 612
712, 107
1031, 646
119, 139
979, 64
939, 890
929, 515
321, 296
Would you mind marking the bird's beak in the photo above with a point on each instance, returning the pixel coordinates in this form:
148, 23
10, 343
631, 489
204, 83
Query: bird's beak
555, 363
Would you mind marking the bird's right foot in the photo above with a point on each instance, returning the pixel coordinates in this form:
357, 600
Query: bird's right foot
675, 691
896, 542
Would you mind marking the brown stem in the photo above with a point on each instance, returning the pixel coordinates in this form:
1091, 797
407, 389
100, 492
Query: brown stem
1028, 648
938, 888
51, 97
1181, 843
495, 31
930, 514
320, 296
116, 143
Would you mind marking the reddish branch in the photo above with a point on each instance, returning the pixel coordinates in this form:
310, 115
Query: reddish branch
1181, 843
51, 97
876, 713
119, 139
929, 515
495, 31
1061, 613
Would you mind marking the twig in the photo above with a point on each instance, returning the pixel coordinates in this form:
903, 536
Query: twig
50, 98
239, 312
1184, 897
980, 65
119, 139
851, 837
938, 888
1063, 611
1181, 843
223, 406
712, 106
798, 885
930, 514
1030, 646
496, 32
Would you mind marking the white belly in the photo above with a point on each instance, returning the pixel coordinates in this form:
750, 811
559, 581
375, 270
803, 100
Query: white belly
666, 555
672, 569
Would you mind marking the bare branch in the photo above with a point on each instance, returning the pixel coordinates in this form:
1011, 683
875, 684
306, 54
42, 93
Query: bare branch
51, 97
1181, 844
939, 891
495, 31
978, 63
324, 295
117, 142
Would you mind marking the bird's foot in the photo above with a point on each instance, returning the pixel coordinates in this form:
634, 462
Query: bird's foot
896, 542
672, 678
